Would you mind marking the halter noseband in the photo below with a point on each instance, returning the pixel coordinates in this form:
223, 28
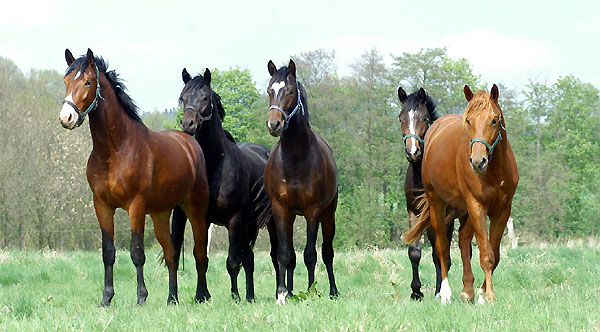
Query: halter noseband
81, 115
493, 146
419, 139
287, 117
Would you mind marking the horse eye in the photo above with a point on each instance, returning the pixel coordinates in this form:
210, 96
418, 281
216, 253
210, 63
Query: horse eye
468, 122
88, 82
291, 92
205, 99
494, 122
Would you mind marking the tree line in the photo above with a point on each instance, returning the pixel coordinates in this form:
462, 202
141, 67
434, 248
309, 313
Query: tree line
553, 128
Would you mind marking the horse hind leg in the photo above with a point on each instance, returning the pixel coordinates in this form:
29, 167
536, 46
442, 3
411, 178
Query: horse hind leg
106, 220
310, 251
234, 259
197, 217
328, 221
161, 230
442, 246
248, 260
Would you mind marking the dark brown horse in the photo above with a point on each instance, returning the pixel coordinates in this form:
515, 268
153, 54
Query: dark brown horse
469, 165
237, 198
136, 169
417, 114
300, 179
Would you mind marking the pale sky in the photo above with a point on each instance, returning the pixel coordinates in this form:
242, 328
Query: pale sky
149, 42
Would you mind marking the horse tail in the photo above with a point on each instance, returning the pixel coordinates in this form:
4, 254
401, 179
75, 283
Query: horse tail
423, 221
178, 228
261, 211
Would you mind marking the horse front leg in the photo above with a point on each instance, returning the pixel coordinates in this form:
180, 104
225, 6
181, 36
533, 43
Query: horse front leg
414, 255
465, 236
105, 215
477, 218
282, 217
437, 213
137, 219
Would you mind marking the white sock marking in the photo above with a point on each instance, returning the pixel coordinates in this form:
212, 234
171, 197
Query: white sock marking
445, 292
481, 299
281, 298
411, 130
277, 86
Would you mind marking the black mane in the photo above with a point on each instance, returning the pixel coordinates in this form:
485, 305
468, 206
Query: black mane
412, 102
198, 83
115, 81
281, 75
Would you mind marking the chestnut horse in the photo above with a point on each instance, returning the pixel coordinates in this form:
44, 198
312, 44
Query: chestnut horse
300, 179
463, 170
237, 198
417, 114
136, 169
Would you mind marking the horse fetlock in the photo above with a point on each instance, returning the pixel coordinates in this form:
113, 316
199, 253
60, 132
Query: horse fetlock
445, 292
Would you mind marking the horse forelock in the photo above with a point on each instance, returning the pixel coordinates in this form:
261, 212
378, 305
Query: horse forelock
412, 103
480, 102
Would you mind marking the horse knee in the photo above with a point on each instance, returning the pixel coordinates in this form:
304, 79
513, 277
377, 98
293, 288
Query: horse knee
310, 256
137, 250
414, 253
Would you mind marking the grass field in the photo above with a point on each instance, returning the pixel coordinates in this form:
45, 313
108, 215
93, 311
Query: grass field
554, 288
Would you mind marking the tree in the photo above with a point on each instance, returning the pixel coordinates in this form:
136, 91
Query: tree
441, 76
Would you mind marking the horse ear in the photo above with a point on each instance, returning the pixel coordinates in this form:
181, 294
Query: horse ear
272, 68
207, 76
292, 68
69, 57
401, 95
495, 93
90, 57
186, 76
468, 93
422, 96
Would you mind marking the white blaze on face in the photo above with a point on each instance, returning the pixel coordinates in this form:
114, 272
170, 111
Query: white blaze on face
445, 291
276, 87
411, 130
68, 110
77, 76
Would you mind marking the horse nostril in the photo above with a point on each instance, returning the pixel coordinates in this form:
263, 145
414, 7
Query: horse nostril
277, 125
191, 123
483, 162
471, 160
70, 117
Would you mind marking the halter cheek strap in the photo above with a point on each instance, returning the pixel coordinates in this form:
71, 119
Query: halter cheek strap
493, 146
419, 139
81, 115
286, 117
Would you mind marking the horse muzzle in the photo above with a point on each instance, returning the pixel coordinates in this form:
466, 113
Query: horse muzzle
275, 127
479, 165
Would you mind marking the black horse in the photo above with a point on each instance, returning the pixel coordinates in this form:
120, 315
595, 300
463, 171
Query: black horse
417, 114
237, 199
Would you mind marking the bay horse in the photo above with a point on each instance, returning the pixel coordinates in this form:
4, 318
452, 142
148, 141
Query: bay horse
136, 169
300, 179
463, 170
417, 113
237, 198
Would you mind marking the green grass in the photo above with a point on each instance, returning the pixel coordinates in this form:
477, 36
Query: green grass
555, 288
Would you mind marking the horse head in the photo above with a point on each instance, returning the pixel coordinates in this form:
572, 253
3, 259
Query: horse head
82, 89
483, 123
284, 97
198, 101
417, 114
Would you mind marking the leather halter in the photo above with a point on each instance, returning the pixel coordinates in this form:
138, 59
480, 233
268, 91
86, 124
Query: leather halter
493, 146
80, 114
286, 117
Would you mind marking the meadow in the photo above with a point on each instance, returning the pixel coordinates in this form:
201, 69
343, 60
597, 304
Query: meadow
541, 288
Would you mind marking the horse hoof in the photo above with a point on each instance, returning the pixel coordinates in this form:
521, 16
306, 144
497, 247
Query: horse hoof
172, 301
281, 298
416, 296
104, 304
466, 299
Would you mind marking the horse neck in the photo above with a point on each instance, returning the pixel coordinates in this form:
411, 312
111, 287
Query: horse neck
212, 139
110, 126
296, 139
